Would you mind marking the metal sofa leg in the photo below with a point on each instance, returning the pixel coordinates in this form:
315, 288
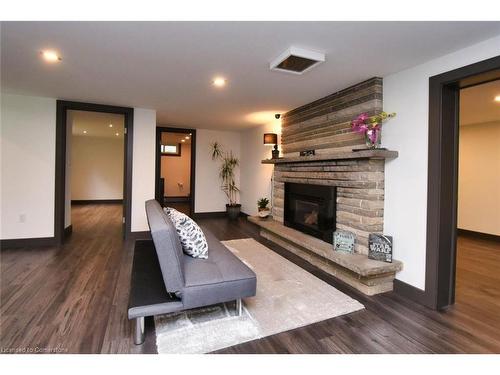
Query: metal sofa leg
139, 330
239, 307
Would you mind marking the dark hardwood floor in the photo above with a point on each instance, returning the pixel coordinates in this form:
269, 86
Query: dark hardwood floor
74, 298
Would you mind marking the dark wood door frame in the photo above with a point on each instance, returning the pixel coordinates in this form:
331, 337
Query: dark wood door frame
192, 184
442, 185
60, 179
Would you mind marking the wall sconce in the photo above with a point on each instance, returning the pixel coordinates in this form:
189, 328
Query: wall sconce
272, 139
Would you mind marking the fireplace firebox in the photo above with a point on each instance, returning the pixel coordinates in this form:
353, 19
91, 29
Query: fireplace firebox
311, 209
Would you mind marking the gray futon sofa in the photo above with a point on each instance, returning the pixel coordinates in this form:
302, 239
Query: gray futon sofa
171, 281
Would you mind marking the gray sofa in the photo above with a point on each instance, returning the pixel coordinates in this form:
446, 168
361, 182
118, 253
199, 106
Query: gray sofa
187, 282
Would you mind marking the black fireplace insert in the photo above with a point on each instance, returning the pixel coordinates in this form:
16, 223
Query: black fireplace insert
311, 209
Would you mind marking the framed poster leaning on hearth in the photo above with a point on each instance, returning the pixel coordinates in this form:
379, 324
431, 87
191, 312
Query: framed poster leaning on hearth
380, 247
344, 240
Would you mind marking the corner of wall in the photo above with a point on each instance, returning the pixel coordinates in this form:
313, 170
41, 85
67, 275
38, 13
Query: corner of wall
143, 166
255, 177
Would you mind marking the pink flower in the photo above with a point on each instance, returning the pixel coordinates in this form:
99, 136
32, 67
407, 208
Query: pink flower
358, 126
364, 123
363, 117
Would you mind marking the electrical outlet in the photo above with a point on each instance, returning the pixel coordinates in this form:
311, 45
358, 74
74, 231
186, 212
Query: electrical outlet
22, 218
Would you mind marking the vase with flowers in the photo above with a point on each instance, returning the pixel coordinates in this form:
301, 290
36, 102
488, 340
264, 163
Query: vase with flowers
371, 127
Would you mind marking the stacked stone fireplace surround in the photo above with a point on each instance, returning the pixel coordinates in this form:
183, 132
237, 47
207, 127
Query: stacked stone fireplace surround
324, 126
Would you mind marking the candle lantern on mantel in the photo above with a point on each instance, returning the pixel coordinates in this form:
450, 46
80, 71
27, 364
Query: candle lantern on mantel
272, 139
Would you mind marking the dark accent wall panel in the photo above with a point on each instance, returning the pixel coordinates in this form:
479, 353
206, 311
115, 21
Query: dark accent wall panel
324, 125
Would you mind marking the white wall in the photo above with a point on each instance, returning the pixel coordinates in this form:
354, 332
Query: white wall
405, 215
143, 168
256, 177
27, 146
208, 195
479, 178
96, 167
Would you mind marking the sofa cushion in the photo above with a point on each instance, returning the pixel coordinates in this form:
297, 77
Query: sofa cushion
220, 278
190, 235
167, 245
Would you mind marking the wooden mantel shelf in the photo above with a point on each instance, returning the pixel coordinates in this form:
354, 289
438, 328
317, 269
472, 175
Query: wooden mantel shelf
346, 155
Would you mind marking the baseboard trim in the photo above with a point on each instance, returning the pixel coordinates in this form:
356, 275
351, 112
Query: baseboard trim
213, 215
483, 236
28, 243
97, 201
209, 215
176, 199
410, 292
142, 235
68, 231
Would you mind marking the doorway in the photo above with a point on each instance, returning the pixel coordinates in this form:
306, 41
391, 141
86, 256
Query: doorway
442, 191
477, 288
94, 166
175, 168
89, 129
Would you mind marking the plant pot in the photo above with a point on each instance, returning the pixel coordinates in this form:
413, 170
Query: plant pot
264, 212
233, 211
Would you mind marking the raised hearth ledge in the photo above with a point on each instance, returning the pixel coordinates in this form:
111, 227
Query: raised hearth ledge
366, 275
343, 155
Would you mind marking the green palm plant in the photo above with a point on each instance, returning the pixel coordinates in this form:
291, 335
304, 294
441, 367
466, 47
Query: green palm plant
226, 172
262, 203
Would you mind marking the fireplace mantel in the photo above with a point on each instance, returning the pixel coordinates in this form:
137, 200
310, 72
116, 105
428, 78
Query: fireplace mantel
344, 155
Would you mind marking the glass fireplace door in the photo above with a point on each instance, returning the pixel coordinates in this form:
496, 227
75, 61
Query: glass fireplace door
307, 213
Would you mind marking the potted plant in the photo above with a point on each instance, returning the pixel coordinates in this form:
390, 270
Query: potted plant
226, 175
264, 211
371, 127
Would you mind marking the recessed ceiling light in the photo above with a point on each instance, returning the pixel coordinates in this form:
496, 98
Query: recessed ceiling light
187, 136
183, 140
84, 132
117, 134
497, 98
110, 125
50, 56
219, 82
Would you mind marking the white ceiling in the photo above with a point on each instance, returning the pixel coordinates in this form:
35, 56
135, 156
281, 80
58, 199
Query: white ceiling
168, 66
478, 105
96, 124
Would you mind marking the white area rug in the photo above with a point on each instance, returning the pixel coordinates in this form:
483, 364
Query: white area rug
287, 297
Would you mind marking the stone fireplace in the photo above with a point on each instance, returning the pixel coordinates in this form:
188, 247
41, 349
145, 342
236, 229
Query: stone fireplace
311, 209
358, 177
339, 187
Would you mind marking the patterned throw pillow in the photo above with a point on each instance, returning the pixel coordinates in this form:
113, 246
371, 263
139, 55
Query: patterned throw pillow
192, 239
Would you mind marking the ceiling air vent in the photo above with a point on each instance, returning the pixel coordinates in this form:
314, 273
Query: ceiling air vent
297, 60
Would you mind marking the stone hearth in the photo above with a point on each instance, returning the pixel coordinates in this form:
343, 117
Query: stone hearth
368, 276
